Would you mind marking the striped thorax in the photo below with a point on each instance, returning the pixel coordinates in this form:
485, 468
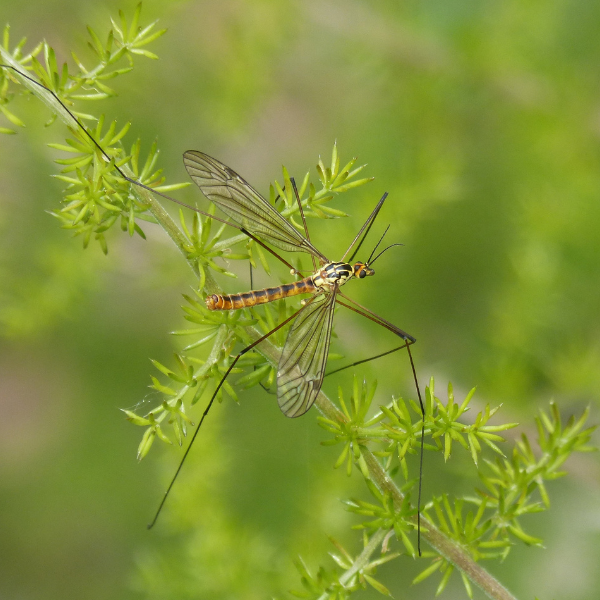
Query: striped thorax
339, 273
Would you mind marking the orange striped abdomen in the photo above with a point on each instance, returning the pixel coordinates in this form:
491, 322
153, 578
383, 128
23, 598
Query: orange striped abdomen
252, 298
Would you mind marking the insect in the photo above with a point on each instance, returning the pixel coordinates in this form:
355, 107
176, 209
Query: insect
301, 368
302, 365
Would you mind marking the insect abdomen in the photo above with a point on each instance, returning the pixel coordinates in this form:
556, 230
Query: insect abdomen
252, 298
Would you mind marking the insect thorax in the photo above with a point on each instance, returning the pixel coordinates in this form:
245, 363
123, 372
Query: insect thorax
332, 273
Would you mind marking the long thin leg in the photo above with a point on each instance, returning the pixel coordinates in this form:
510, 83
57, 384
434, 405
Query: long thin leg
264, 387
210, 403
412, 364
376, 318
365, 360
140, 184
409, 340
303, 219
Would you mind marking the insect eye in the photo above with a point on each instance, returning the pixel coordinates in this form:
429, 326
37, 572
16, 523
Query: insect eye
362, 275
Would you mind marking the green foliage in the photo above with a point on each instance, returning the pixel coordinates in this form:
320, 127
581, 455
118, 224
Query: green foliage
394, 428
96, 196
123, 41
514, 489
333, 181
515, 486
494, 527
358, 573
384, 515
24, 61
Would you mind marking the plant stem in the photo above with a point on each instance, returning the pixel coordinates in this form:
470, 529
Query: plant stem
448, 548
362, 560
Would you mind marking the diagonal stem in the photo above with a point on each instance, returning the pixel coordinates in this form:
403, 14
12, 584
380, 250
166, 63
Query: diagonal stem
362, 560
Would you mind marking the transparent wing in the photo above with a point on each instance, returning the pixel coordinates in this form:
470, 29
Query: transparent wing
243, 204
302, 363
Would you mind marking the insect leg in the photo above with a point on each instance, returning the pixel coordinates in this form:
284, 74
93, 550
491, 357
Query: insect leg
262, 385
211, 401
365, 312
252, 287
80, 125
365, 360
303, 219
369, 314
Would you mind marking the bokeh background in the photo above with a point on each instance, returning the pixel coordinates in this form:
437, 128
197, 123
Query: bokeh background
482, 121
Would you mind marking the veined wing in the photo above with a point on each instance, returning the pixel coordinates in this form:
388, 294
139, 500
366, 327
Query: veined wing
243, 204
302, 363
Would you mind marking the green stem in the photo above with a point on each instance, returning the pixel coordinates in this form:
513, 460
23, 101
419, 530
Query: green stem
362, 560
448, 548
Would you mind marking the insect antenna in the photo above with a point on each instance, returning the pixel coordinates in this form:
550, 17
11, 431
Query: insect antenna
370, 262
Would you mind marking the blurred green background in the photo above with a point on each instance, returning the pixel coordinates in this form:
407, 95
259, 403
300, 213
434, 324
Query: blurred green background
482, 121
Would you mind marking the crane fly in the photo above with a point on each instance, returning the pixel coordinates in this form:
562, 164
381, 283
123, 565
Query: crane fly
307, 344
301, 367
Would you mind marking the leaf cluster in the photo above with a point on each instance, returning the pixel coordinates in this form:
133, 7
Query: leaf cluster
96, 197
513, 487
333, 181
358, 572
123, 41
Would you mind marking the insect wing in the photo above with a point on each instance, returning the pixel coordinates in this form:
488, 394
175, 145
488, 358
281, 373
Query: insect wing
302, 363
242, 203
